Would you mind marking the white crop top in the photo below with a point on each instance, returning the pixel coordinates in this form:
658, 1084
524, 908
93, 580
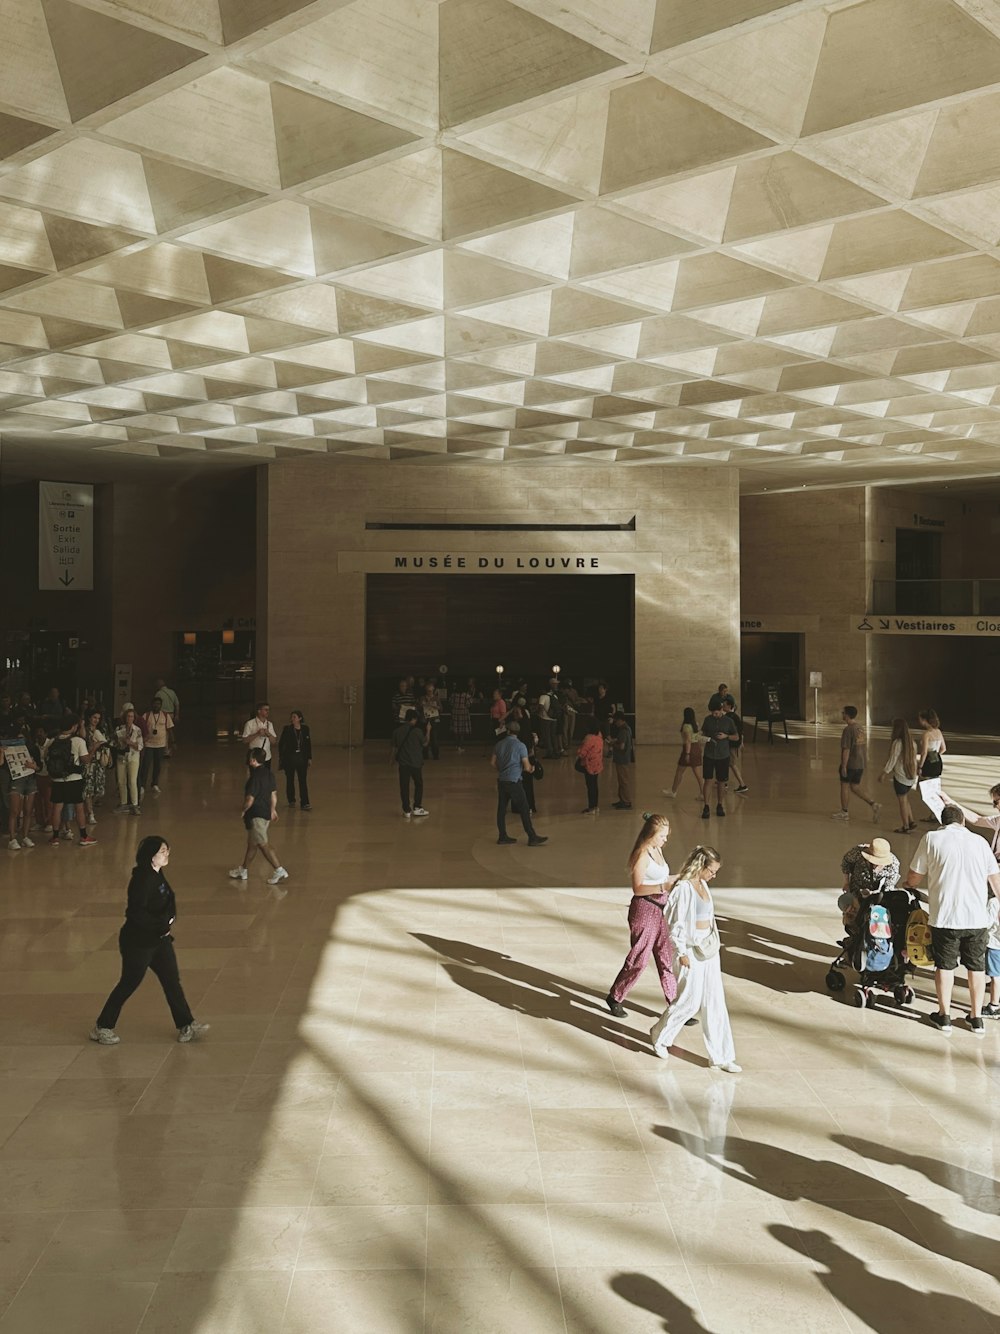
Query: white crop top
655, 873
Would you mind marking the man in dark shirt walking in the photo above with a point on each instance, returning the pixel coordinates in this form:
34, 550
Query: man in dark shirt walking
408, 754
260, 810
717, 728
623, 754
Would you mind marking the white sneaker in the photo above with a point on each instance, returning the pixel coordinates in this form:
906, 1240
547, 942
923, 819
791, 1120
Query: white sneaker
668, 792
107, 1037
27, 842
730, 1067
155, 789
238, 873
407, 814
876, 811
92, 819
47, 829
279, 875
13, 846
64, 833
419, 810
839, 815
191, 1031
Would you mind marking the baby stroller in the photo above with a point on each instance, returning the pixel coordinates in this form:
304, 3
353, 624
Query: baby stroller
875, 947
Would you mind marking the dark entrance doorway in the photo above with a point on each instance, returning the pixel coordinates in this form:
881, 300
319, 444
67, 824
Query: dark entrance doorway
918, 571
772, 659
415, 623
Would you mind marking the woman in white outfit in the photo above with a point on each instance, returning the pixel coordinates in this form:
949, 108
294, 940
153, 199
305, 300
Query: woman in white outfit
695, 939
128, 748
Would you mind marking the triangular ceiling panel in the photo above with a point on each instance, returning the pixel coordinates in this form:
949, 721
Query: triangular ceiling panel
495, 55
315, 137
655, 131
477, 196
82, 39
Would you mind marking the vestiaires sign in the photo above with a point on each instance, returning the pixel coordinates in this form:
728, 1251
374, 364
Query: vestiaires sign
495, 562
65, 536
949, 626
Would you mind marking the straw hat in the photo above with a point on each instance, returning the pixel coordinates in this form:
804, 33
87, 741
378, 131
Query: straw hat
879, 853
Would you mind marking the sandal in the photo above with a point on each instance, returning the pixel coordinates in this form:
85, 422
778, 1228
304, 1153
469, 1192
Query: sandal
903, 829
910, 827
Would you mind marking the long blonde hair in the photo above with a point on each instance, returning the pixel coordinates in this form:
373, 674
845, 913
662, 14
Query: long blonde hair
652, 824
697, 860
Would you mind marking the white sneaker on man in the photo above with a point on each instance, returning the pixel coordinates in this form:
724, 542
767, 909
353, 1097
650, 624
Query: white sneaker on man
107, 1037
191, 1031
839, 815
27, 842
155, 789
238, 873
419, 810
279, 875
13, 846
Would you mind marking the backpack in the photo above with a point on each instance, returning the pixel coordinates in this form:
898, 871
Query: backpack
878, 946
918, 939
59, 761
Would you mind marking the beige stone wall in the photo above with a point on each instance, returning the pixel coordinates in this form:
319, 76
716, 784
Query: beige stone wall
311, 618
803, 559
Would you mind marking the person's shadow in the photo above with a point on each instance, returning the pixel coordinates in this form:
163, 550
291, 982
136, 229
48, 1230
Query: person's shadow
531, 991
789, 961
787, 1175
883, 1304
641, 1290
975, 1190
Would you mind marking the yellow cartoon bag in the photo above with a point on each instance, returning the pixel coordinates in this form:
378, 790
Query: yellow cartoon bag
918, 939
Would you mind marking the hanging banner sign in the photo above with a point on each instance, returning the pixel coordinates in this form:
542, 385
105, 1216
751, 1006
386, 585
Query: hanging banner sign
65, 536
511, 562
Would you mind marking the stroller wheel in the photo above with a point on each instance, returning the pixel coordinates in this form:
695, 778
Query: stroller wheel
860, 998
870, 999
835, 981
904, 995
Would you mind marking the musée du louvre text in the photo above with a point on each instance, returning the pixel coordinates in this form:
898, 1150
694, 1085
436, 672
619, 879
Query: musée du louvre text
523, 562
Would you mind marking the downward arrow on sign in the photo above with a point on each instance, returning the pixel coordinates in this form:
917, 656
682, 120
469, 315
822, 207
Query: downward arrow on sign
66, 579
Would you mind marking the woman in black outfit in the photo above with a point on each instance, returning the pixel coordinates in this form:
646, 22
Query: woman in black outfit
145, 942
295, 757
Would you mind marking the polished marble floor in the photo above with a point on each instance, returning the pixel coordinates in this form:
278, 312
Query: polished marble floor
413, 1111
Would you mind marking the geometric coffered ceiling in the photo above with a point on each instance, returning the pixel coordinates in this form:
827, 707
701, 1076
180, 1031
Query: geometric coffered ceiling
753, 233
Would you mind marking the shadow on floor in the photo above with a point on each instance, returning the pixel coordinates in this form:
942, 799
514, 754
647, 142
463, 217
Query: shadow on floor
883, 1304
640, 1290
532, 990
787, 1175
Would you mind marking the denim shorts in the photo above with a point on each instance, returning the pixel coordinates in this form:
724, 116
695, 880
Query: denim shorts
993, 963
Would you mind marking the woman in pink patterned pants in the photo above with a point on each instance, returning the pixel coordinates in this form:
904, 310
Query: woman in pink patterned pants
650, 876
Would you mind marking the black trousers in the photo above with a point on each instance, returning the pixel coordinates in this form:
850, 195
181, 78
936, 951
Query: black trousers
297, 769
514, 795
152, 758
162, 960
406, 773
591, 781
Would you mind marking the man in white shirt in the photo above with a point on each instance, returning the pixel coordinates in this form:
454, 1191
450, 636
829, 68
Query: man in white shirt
960, 871
259, 731
172, 705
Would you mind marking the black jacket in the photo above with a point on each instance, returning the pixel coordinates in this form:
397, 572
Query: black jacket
151, 906
286, 746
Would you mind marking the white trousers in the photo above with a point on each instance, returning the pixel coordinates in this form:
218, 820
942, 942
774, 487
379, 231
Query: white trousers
699, 993
127, 768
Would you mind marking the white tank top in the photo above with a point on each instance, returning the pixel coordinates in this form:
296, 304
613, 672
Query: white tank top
655, 873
